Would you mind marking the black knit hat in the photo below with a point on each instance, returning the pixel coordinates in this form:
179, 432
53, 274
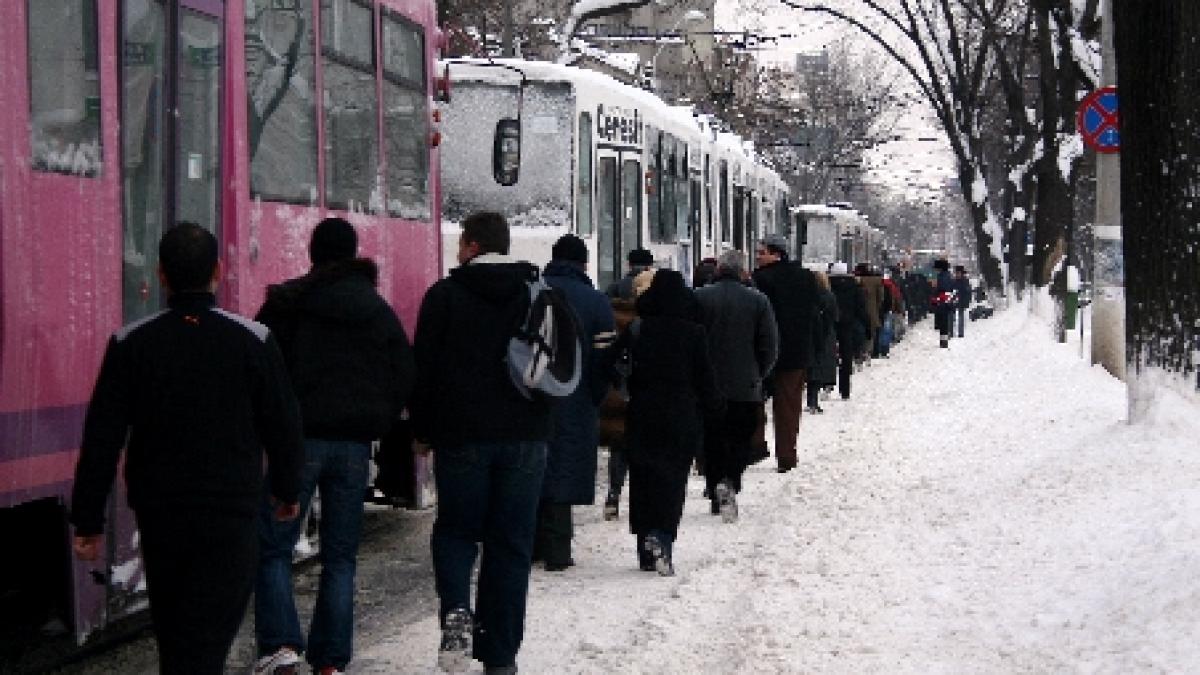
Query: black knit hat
333, 239
570, 248
640, 256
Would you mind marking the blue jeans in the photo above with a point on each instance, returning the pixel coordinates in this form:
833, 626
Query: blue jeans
488, 493
340, 468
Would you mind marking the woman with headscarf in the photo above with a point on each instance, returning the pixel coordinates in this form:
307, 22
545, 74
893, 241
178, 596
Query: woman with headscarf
671, 387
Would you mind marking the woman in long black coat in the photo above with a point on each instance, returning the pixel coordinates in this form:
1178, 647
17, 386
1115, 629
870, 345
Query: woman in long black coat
671, 388
823, 372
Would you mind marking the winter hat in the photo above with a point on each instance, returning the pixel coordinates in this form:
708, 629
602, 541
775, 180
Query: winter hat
839, 268
641, 282
570, 248
776, 243
640, 256
333, 239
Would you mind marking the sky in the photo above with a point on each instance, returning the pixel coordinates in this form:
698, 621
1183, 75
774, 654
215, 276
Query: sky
919, 163
948, 518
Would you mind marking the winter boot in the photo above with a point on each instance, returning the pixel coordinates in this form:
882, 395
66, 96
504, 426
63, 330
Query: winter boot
727, 500
454, 653
661, 555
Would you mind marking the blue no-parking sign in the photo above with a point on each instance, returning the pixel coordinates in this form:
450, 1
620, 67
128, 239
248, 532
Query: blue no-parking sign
1098, 120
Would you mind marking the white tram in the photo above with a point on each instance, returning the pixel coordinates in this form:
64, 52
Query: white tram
824, 234
559, 149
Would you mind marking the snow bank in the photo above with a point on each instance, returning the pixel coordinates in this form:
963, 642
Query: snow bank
983, 508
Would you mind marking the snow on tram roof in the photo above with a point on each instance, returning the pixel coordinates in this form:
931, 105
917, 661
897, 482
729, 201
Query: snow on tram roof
822, 210
500, 72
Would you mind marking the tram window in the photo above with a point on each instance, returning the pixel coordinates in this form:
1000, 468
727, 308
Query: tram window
583, 187
64, 87
406, 118
351, 145
723, 201
653, 185
708, 207
280, 71
666, 185
681, 191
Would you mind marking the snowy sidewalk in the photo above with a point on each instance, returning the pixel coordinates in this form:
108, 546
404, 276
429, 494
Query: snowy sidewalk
977, 509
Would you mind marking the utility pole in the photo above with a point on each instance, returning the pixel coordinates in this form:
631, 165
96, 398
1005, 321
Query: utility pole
1108, 278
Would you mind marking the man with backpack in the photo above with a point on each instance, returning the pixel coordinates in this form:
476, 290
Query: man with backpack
352, 369
489, 442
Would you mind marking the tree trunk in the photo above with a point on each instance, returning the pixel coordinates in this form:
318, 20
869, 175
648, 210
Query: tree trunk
1158, 57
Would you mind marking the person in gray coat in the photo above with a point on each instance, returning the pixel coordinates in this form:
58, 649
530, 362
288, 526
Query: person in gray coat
743, 344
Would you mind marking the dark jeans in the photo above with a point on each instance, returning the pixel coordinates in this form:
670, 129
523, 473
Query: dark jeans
962, 319
845, 367
618, 468
488, 493
200, 571
727, 444
340, 469
552, 542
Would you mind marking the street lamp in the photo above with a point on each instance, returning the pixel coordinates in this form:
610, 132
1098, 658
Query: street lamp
690, 16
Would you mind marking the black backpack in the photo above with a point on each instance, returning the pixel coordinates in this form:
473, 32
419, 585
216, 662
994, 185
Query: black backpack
545, 353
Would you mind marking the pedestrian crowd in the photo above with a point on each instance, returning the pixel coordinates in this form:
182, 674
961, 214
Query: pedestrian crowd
670, 379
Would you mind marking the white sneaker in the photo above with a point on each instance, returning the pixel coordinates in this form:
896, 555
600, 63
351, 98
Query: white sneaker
284, 661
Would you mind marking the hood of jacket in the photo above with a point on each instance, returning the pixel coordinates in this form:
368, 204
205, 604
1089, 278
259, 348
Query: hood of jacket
560, 268
495, 278
342, 291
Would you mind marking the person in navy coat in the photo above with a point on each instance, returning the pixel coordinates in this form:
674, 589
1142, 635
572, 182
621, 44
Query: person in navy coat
571, 463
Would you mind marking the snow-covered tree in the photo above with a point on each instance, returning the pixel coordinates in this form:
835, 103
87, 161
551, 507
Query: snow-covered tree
1157, 59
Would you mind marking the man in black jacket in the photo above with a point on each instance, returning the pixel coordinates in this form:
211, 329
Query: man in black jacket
743, 343
489, 442
194, 394
792, 291
352, 369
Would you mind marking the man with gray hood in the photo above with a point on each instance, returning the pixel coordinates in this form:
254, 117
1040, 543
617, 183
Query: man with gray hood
489, 443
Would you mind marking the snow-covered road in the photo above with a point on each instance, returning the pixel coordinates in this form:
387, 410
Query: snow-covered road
977, 509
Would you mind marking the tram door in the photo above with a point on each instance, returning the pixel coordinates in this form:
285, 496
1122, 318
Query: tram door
171, 63
618, 211
171, 67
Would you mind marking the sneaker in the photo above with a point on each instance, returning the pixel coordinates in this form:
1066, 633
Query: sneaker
611, 508
727, 501
330, 670
285, 661
454, 653
812, 410
658, 552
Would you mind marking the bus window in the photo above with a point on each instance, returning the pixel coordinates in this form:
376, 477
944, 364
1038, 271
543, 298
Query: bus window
282, 129
64, 87
583, 186
351, 148
406, 118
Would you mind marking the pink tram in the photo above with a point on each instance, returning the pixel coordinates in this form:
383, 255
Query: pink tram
253, 118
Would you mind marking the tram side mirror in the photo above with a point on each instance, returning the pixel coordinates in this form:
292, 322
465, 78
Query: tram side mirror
506, 151
442, 86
